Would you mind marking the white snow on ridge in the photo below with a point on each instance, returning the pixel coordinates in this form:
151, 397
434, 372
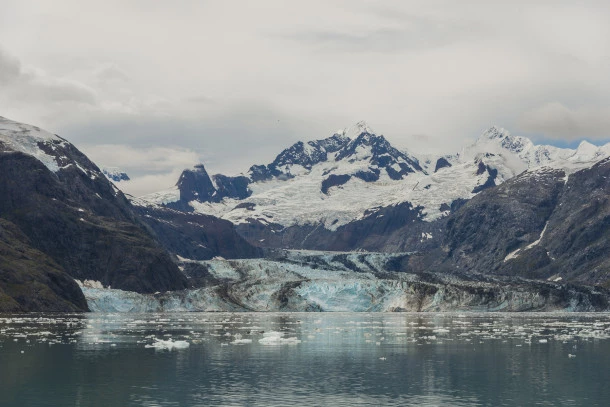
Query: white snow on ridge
356, 130
524, 154
160, 198
26, 138
300, 201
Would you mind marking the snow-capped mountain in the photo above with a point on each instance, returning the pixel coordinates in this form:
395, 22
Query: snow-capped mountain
51, 150
115, 174
500, 141
358, 144
61, 218
498, 212
355, 172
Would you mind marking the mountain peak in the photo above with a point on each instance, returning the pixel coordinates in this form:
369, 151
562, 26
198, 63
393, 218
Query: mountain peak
503, 138
33, 141
334, 142
367, 146
195, 184
363, 126
300, 153
586, 151
494, 133
586, 146
356, 130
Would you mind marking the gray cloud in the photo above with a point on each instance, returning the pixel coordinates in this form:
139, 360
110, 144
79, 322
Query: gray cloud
235, 82
228, 139
10, 68
557, 121
142, 185
150, 169
406, 33
30, 85
111, 73
139, 161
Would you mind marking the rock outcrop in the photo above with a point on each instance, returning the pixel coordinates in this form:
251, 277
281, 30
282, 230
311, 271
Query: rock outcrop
70, 212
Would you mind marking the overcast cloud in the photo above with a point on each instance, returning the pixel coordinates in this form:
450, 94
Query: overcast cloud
155, 86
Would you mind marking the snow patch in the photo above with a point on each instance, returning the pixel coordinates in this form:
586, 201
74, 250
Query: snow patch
27, 139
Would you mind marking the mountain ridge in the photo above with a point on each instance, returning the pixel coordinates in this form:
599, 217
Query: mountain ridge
363, 172
61, 207
502, 209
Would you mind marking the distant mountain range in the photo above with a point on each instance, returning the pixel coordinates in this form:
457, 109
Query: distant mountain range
319, 188
502, 206
115, 174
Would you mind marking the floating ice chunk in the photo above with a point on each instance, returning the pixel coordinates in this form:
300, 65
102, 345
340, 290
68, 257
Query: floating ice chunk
276, 338
241, 341
168, 344
542, 341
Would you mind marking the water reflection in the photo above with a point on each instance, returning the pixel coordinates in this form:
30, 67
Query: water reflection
336, 359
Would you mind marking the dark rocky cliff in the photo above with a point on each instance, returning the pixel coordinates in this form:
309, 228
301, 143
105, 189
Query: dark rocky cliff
196, 236
78, 219
538, 225
535, 225
31, 280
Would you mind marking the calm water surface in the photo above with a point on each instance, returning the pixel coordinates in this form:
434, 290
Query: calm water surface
346, 359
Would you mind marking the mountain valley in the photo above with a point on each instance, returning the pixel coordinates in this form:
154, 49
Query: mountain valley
464, 231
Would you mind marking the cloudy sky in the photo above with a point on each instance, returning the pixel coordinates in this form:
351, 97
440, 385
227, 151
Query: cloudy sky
156, 86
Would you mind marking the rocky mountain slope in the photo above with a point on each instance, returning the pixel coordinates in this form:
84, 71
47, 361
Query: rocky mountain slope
31, 280
195, 236
354, 190
541, 224
501, 206
64, 209
502, 225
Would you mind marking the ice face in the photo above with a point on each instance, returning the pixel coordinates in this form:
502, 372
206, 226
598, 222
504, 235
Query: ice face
338, 282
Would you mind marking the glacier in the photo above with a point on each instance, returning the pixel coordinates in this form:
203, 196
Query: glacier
341, 282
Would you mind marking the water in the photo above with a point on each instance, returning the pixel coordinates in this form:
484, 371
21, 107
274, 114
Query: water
346, 359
